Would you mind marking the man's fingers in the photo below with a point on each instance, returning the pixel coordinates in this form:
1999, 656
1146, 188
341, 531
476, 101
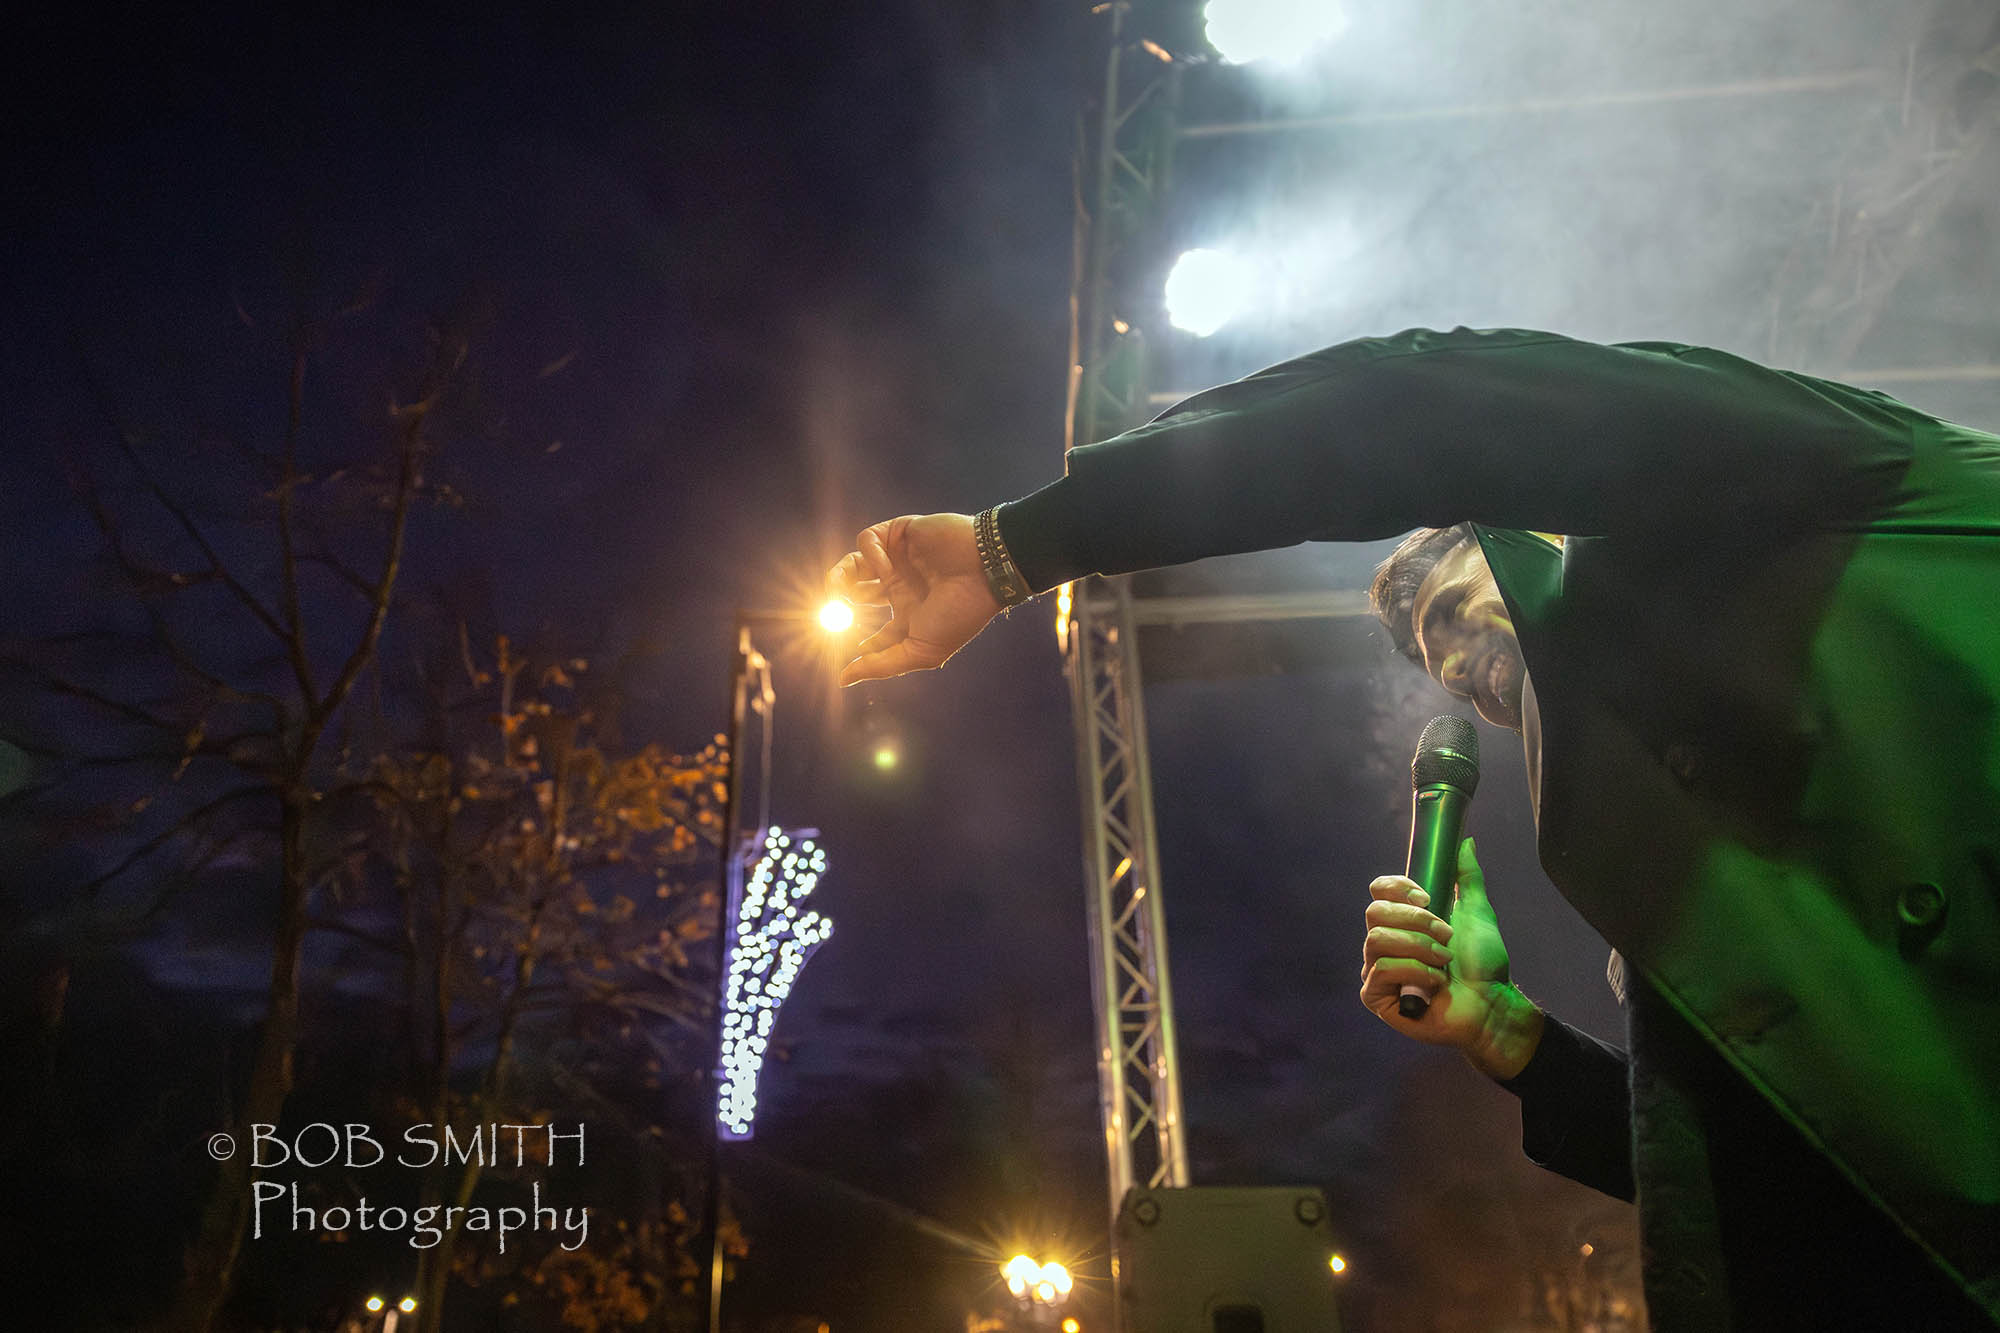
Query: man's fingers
1387, 942
894, 660
872, 546
851, 579
1398, 888
1408, 916
895, 631
1386, 978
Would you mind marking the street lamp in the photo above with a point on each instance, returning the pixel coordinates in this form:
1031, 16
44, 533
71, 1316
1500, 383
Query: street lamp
834, 617
1036, 1284
390, 1317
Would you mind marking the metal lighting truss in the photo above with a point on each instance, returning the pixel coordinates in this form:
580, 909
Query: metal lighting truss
1122, 170
1122, 177
1931, 139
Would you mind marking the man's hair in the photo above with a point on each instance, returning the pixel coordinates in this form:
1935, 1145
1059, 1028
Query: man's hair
1393, 594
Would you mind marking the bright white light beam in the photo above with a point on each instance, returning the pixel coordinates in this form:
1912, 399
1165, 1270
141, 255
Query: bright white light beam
1283, 32
773, 939
1205, 290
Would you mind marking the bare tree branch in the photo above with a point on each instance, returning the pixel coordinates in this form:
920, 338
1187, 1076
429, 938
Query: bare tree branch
186, 823
178, 512
407, 479
288, 579
339, 570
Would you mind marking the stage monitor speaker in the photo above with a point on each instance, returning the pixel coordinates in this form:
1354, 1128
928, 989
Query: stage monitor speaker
1226, 1260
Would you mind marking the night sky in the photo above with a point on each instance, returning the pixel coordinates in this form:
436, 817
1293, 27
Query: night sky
740, 279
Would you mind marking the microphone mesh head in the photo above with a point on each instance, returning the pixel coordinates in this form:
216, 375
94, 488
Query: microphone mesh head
1448, 751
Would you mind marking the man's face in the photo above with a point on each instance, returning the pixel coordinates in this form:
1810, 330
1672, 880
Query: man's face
1467, 638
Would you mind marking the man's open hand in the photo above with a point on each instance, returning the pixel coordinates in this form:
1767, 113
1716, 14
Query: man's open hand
925, 568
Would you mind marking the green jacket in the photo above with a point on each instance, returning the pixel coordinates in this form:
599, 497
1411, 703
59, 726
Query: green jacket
1765, 669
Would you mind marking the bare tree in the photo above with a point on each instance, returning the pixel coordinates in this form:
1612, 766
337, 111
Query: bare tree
193, 716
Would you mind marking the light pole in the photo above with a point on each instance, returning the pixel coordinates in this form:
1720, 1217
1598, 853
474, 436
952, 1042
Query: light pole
745, 662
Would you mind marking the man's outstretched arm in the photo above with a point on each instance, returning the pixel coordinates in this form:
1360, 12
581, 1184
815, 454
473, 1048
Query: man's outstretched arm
1371, 438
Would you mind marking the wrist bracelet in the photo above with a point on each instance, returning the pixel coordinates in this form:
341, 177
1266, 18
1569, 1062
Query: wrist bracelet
1003, 578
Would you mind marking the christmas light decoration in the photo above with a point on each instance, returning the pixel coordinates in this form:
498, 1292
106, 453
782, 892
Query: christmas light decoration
772, 940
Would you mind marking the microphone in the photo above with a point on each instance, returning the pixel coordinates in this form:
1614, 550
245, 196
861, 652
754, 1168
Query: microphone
1443, 776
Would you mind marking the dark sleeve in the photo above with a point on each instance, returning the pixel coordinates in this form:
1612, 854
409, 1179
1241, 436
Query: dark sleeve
1576, 1109
1508, 428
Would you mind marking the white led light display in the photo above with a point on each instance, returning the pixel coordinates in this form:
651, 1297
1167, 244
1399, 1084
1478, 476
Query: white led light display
772, 940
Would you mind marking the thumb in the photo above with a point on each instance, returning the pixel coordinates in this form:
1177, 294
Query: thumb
1471, 879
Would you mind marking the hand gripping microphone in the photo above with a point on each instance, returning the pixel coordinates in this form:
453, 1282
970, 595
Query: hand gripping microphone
1443, 777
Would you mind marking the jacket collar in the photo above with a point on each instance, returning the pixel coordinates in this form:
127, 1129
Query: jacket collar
1528, 567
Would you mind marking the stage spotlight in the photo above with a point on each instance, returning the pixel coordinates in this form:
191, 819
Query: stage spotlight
1205, 290
1283, 32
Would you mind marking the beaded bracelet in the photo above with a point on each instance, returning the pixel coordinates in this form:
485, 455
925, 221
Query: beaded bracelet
1003, 578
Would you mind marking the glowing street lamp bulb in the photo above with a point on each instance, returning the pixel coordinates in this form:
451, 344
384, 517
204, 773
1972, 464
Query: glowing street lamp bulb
1337, 1264
836, 617
374, 1303
1045, 1292
1071, 1326
1283, 32
1205, 290
1020, 1272
407, 1305
886, 757
1058, 1277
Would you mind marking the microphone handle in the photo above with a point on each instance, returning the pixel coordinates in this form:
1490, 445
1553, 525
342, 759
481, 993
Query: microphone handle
1437, 812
